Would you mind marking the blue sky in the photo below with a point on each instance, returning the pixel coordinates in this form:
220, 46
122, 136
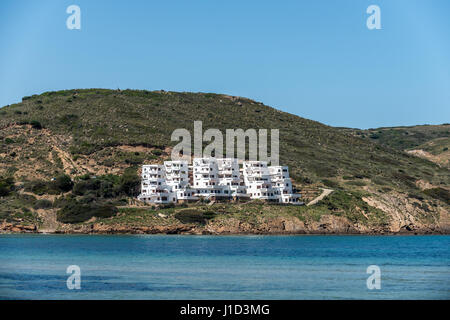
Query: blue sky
316, 59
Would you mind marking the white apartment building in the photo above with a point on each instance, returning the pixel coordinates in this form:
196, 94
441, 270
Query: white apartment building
177, 178
213, 178
230, 178
153, 185
271, 183
279, 176
166, 183
218, 178
257, 180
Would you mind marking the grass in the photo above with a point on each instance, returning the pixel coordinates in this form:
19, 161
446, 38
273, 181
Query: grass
253, 213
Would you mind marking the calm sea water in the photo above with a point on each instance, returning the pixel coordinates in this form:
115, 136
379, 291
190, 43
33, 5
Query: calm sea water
224, 267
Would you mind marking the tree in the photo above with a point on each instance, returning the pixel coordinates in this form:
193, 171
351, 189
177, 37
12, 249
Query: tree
6, 186
36, 124
63, 183
130, 182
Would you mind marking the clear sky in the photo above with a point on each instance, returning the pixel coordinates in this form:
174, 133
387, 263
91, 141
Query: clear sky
316, 59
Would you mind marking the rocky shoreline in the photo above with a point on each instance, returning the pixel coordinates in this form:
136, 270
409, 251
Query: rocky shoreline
285, 228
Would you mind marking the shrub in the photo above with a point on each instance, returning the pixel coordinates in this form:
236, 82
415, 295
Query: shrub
85, 176
63, 183
330, 183
157, 152
439, 193
303, 179
194, 216
6, 186
84, 186
415, 196
130, 182
379, 181
103, 186
134, 161
38, 187
404, 179
356, 183
69, 118
36, 124
42, 204
75, 212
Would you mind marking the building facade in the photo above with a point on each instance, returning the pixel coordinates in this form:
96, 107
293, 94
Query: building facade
216, 179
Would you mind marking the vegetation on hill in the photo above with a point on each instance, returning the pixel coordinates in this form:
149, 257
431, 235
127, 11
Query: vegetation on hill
403, 138
431, 142
110, 133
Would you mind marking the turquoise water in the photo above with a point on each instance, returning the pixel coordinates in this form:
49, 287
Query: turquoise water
224, 267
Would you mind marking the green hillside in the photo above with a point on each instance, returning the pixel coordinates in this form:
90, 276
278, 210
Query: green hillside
94, 128
404, 137
429, 142
99, 118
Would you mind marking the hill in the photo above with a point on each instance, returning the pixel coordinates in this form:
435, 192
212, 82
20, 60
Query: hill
109, 133
427, 141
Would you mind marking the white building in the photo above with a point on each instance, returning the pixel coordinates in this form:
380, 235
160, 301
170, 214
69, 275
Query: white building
168, 183
154, 187
217, 178
213, 178
230, 178
257, 180
271, 183
279, 176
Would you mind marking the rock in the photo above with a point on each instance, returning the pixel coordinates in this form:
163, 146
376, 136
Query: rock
17, 228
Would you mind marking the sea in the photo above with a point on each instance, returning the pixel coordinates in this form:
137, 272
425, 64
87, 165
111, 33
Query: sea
37, 266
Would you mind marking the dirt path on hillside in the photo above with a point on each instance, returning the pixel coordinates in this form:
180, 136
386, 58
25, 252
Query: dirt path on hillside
68, 163
325, 193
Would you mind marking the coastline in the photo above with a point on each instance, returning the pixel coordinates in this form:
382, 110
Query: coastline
95, 229
220, 219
